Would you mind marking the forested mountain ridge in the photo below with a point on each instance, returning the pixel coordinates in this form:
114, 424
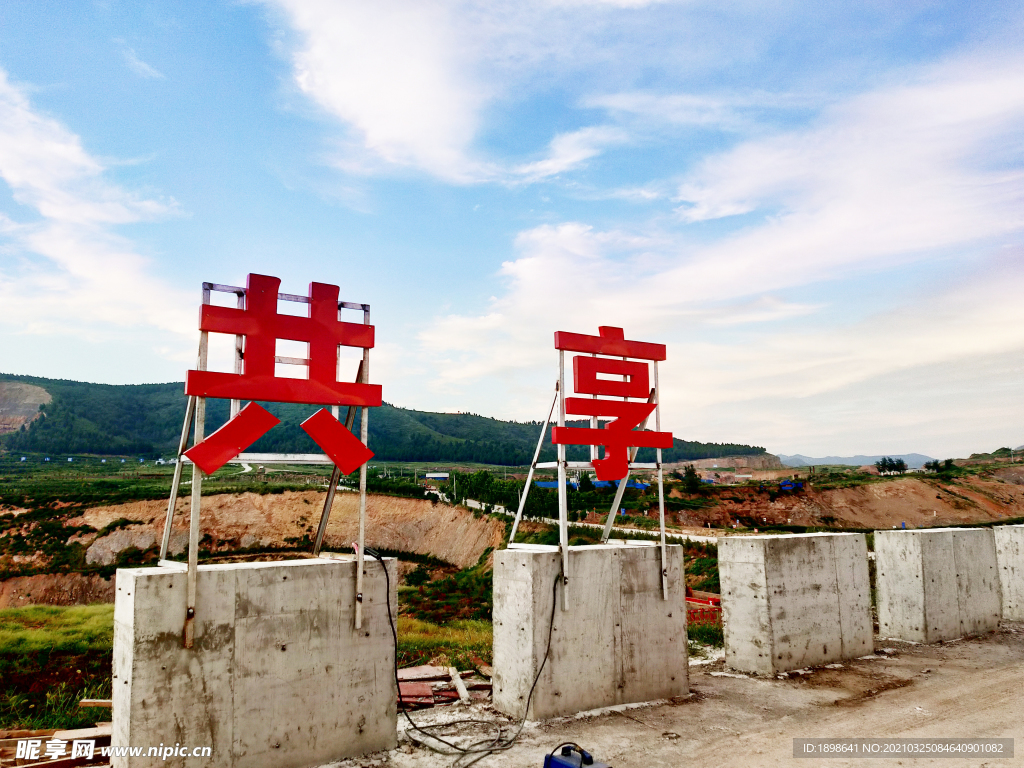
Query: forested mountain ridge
145, 420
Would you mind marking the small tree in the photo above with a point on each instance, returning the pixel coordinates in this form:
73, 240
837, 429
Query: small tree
887, 464
691, 480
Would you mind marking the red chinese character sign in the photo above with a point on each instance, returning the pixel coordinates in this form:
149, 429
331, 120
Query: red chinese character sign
612, 380
260, 325
621, 434
257, 326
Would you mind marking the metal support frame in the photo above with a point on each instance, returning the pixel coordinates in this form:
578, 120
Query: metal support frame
563, 496
563, 465
533, 464
661, 487
336, 474
621, 490
196, 411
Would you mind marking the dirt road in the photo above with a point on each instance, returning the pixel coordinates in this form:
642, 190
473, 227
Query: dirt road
970, 688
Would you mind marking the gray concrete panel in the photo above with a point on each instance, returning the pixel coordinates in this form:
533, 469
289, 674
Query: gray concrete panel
619, 642
899, 591
977, 579
1009, 540
794, 601
937, 584
747, 625
854, 583
939, 576
278, 675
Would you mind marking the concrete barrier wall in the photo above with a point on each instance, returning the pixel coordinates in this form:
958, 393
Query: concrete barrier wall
794, 601
278, 675
620, 642
936, 584
1010, 559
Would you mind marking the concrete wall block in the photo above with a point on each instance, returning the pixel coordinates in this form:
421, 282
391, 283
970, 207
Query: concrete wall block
803, 602
979, 595
936, 584
278, 675
899, 590
747, 625
794, 601
1009, 540
651, 638
620, 642
857, 627
516, 608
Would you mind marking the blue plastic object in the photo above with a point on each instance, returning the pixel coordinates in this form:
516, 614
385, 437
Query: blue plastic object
572, 757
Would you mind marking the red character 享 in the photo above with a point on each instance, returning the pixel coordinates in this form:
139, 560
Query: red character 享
619, 435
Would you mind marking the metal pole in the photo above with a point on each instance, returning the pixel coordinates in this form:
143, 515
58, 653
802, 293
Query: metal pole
364, 435
335, 477
622, 485
563, 500
189, 629
593, 425
533, 465
236, 405
176, 480
661, 487
193, 528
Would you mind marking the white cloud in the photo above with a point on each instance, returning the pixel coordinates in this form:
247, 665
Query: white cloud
569, 151
680, 109
410, 82
137, 65
926, 171
65, 270
393, 71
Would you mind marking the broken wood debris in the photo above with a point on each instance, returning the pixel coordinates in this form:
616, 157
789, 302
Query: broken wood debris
428, 686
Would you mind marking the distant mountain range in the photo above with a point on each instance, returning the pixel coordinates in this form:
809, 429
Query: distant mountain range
57, 416
914, 460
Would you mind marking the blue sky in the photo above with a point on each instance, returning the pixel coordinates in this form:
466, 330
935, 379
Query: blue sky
818, 207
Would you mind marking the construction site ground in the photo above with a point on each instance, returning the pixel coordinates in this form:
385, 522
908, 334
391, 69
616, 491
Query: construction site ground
970, 688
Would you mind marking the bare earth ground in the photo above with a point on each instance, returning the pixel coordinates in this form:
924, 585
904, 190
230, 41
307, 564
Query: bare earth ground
248, 519
970, 688
882, 505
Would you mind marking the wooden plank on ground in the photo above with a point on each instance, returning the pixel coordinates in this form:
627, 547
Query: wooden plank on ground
425, 672
29, 734
460, 686
85, 733
105, 703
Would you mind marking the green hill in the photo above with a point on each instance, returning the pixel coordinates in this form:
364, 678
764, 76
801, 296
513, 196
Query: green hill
145, 420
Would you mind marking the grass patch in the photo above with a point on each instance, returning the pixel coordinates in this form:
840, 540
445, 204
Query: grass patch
50, 659
76, 629
55, 708
706, 634
702, 574
463, 644
465, 595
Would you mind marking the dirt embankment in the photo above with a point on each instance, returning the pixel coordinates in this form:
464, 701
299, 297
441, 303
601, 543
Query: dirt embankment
56, 589
244, 520
877, 505
19, 404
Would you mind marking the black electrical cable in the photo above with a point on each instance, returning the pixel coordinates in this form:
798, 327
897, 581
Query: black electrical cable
567, 744
484, 747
